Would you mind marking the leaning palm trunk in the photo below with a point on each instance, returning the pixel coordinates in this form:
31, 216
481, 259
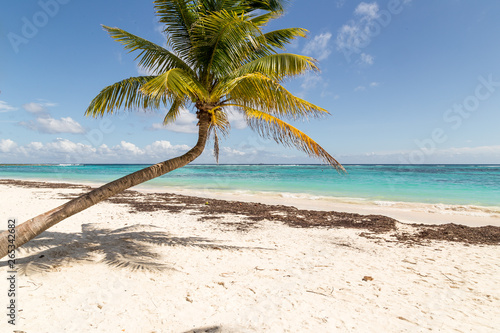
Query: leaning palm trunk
35, 226
218, 59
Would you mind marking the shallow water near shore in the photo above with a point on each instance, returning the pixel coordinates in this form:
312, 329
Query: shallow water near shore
470, 187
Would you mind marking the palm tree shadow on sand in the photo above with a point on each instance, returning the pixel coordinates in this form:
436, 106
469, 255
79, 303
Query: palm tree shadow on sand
132, 247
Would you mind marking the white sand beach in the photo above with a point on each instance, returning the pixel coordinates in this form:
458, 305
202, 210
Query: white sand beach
116, 268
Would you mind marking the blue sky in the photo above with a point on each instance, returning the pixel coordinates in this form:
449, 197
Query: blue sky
405, 82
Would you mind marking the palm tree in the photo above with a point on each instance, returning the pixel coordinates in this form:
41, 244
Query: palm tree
218, 59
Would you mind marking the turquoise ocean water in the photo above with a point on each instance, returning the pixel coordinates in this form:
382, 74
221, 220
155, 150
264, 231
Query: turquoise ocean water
447, 184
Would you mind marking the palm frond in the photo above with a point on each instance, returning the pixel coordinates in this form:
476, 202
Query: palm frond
175, 84
263, 19
277, 39
261, 92
174, 111
219, 125
276, 6
152, 57
241, 6
284, 133
280, 38
220, 122
178, 17
223, 41
127, 94
279, 66
210, 6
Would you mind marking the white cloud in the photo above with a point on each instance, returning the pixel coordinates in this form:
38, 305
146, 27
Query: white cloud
236, 119
185, 123
65, 146
38, 107
128, 148
159, 146
357, 34
157, 126
319, 47
366, 59
50, 125
57, 151
104, 150
35, 146
66, 151
367, 10
163, 149
34, 107
62, 150
232, 152
311, 81
371, 85
7, 145
5, 107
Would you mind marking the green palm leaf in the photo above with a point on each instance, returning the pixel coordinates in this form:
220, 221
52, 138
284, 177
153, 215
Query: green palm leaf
219, 58
263, 19
178, 17
174, 111
260, 92
175, 84
222, 41
276, 6
124, 94
279, 66
280, 38
152, 57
